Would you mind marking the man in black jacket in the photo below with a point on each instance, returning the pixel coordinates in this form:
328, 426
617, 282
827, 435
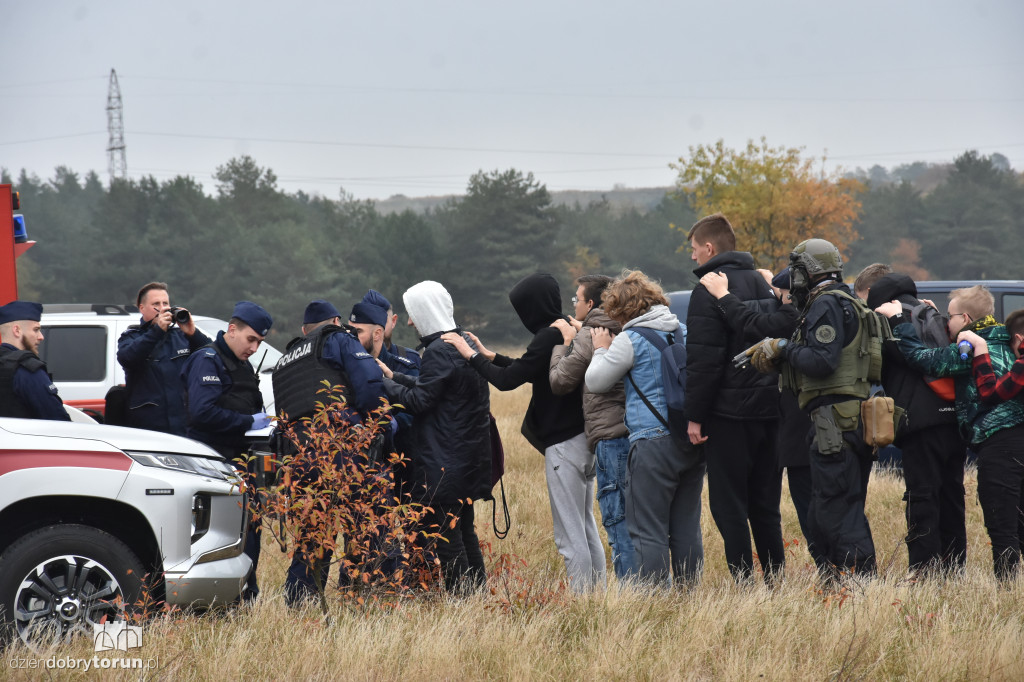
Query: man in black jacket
553, 424
933, 450
734, 411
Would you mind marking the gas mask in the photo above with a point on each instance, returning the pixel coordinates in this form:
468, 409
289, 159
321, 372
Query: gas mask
800, 285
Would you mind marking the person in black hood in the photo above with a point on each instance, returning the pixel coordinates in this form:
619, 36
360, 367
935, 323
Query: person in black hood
735, 410
933, 449
553, 424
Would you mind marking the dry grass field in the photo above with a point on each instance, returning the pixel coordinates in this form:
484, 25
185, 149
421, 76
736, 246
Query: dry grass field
886, 628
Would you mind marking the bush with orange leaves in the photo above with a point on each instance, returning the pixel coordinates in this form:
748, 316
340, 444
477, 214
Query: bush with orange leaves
334, 503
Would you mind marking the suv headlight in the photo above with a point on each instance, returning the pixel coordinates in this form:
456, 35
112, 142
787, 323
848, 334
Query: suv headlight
186, 464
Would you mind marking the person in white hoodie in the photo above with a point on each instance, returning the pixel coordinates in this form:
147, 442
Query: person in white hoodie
449, 443
665, 474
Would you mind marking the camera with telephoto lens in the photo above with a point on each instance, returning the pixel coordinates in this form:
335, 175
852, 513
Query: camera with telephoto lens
180, 315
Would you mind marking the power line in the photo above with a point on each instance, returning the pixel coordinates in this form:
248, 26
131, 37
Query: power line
375, 145
7, 86
54, 137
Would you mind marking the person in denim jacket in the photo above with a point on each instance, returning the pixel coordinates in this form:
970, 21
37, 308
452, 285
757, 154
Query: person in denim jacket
666, 474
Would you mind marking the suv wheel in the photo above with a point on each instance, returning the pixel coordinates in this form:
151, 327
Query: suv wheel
59, 581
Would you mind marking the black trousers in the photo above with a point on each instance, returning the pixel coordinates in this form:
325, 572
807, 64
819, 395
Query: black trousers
933, 468
800, 488
1001, 493
462, 561
745, 489
839, 487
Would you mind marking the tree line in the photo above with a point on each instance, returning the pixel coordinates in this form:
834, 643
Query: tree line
248, 239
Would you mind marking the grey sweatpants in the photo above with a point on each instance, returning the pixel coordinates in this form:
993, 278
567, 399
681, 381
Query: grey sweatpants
570, 470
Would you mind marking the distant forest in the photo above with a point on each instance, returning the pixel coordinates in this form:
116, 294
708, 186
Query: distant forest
250, 240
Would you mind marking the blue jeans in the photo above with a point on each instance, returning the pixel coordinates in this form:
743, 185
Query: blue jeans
612, 456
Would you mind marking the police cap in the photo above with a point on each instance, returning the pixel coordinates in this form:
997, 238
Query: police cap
318, 311
254, 316
376, 298
368, 313
20, 310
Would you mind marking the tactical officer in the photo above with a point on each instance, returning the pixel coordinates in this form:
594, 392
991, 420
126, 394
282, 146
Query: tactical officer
326, 351
377, 299
26, 389
223, 399
832, 360
152, 354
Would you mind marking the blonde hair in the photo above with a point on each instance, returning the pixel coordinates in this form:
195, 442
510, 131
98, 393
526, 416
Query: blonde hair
976, 301
632, 295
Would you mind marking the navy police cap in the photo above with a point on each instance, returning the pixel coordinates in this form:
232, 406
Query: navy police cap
254, 316
20, 310
782, 280
318, 311
376, 298
368, 313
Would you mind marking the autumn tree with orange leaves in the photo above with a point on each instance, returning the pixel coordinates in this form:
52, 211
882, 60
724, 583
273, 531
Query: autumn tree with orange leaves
774, 198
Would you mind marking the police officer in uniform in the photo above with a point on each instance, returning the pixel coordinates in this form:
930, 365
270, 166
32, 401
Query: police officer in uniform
26, 390
376, 298
369, 322
223, 399
326, 351
830, 363
152, 354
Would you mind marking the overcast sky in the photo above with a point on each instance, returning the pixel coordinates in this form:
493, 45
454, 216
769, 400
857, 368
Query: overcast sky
413, 97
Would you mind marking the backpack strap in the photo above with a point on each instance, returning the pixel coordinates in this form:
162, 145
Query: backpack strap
655, 340
653, 337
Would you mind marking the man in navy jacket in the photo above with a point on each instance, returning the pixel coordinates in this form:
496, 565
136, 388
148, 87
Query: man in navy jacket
153, 354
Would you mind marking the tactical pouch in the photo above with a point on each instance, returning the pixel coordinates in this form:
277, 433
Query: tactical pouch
878, 415
828, 436
847, 415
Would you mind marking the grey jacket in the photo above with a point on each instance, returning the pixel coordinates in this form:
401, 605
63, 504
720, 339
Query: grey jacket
603, 413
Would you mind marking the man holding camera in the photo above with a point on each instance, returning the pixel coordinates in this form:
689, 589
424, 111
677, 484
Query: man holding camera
153, 354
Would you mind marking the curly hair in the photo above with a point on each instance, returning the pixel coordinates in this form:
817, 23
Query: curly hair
632, 295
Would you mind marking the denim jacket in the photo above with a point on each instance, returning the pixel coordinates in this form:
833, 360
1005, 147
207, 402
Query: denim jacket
630, 353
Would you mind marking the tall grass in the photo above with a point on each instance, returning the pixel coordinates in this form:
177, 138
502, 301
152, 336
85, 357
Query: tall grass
887, 628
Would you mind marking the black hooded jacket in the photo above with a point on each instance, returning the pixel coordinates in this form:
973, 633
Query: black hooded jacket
904, 384
713, 385
449, 441
550, 419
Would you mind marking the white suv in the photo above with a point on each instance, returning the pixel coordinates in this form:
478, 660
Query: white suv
80, 351
89, 514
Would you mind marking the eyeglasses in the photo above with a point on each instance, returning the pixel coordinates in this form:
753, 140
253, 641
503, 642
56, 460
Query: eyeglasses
575, 300
967, 316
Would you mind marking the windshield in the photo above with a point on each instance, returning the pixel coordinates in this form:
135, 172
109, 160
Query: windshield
263, 360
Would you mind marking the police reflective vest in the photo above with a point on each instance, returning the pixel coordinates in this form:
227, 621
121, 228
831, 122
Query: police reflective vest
300, 374
860, 361
10, 361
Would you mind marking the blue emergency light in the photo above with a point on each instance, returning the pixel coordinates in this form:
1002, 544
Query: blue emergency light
20, 233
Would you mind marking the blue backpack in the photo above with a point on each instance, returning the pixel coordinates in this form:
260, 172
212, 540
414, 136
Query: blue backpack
673, 376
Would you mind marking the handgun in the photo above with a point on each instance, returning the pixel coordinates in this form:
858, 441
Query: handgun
743, 359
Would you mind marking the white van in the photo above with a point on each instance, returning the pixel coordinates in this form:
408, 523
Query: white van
80, 351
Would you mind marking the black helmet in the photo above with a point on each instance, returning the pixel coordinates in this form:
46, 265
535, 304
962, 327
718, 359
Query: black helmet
817, 257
